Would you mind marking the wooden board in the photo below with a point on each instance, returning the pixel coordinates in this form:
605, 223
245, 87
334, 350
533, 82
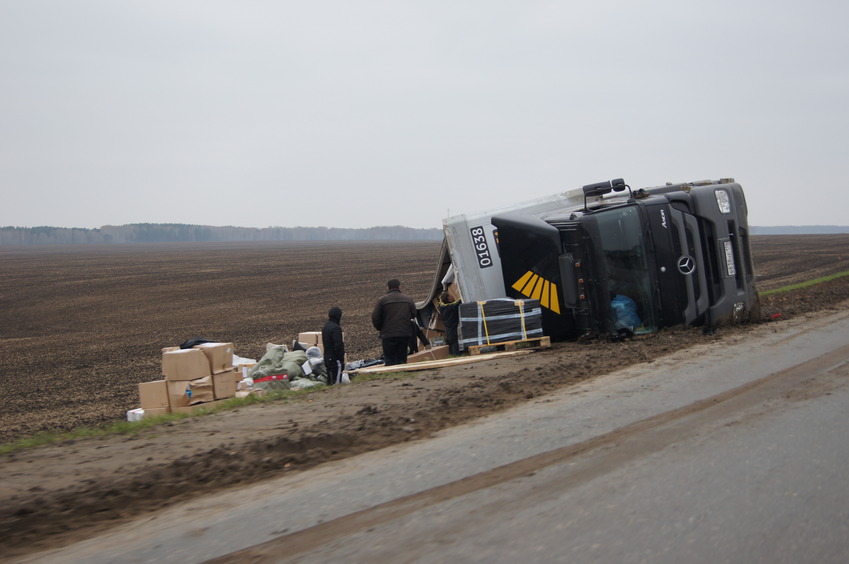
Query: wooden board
512, 345
436, 363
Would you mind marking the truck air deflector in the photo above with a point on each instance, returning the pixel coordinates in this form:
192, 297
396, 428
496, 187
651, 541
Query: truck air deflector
534, 226
529, 247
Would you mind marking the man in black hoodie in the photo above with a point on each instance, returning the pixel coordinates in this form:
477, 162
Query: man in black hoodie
334, 347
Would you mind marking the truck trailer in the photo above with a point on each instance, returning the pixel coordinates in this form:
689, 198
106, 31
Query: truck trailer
608, 261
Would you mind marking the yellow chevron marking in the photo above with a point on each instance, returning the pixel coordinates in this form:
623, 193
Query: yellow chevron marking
536, 287
538, 291
555, 303
543, 300
529, 289
520, 284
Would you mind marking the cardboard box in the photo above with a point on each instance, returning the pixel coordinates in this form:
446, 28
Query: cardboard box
185, 393
451, 294
220, 356
154, 412
433, 333
185, 364
200, 390
177, 396
224, 384
242, 371
153, 395
310, 338
435, 328
197, 407
434, 353
238, 372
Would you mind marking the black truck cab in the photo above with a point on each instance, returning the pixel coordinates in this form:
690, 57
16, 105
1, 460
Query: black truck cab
664, 256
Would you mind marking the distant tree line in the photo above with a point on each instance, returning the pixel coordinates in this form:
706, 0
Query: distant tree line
180, 233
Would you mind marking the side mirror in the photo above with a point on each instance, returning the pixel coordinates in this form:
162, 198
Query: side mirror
602, 188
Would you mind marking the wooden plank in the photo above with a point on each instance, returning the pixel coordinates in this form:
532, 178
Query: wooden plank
512, 345
436, 363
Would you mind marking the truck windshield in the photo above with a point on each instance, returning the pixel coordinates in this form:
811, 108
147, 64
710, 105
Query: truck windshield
624, 249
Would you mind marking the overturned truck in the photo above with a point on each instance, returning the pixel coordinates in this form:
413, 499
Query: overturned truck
606, 260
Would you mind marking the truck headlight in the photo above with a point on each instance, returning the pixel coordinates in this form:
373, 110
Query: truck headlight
723, 201
730, 267
739, 309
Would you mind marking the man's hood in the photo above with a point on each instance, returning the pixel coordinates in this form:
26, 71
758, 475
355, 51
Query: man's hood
335, 314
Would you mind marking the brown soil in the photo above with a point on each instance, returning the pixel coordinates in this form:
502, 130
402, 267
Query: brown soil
82, 326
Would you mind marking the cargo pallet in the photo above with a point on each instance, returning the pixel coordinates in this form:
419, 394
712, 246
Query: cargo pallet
511, 345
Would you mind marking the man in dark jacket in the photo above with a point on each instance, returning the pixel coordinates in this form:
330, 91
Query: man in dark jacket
449, 310
391, 316
334, 347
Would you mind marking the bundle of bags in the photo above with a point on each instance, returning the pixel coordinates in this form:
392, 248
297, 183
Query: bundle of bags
282, 369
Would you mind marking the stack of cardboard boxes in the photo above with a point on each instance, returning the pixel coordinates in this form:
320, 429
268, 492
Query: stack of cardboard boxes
309, 339
192, 379
440, 352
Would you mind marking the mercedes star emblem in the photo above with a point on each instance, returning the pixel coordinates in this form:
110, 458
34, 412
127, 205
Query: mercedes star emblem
686, 265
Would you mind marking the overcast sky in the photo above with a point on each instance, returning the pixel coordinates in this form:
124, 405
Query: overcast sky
363, 113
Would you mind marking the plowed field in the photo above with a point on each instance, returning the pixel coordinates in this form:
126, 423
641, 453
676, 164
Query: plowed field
80, 327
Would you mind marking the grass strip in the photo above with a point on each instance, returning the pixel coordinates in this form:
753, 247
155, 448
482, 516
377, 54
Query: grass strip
133, 427
805, 284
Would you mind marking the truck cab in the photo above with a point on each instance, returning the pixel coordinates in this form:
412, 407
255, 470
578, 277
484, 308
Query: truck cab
663, 256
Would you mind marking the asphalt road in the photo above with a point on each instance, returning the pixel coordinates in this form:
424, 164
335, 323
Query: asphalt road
733, 452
